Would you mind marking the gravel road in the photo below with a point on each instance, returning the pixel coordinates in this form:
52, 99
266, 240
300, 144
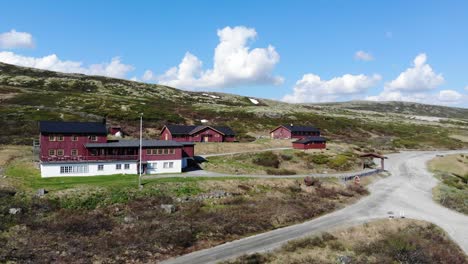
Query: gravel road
407, 192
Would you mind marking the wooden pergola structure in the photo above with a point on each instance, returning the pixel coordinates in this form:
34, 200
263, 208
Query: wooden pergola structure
374, 156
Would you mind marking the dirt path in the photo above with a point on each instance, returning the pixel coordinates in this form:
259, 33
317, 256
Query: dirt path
408, 192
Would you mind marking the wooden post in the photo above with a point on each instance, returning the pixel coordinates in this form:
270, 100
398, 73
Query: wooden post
382, 164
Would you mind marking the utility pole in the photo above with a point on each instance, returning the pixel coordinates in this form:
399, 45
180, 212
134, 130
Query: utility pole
140, 151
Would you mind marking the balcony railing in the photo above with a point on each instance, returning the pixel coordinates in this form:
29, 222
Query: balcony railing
88, 158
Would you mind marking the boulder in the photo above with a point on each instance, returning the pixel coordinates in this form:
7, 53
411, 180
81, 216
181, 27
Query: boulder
168, 208
41, 192
14, 211
129, 219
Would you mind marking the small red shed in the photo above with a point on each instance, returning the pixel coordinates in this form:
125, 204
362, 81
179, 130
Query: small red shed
316, 142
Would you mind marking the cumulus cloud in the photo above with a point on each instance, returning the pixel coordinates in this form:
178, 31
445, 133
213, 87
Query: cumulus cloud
363, 56
449, 96
114, 68
311, 88
417, 84
234, 63
14, 39
420, 77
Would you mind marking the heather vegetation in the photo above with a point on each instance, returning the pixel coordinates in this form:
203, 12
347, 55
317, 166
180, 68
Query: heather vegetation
384, 241
285, 162
452, 191
29, 95
101, 224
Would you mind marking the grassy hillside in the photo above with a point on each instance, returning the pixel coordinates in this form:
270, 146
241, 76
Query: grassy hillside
28, 95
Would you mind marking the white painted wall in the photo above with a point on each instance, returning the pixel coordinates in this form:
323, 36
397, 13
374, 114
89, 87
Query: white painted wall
53, 169
157, 166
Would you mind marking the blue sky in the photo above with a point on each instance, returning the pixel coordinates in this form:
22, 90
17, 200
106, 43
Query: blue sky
297, 51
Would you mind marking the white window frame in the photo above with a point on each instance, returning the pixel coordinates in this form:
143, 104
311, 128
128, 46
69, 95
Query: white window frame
100, 167
126, 166
168, 165
118, 166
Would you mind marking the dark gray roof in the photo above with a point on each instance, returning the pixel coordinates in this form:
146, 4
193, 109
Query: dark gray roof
188, 130
73, 127
294, 128
136, 144
225, 130
180, 129
307, 140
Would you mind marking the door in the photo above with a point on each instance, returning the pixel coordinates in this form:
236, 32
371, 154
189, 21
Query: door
206, 139
166, 136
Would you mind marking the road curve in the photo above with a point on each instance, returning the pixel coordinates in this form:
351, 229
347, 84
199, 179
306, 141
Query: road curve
407, 191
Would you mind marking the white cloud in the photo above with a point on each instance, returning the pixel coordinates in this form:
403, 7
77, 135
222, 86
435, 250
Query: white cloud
312, 89
234, 63
466, 88
449, 96
14, 39
415, 85
420, 77
362, 55
114, 68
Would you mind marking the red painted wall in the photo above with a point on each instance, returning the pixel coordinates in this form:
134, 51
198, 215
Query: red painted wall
188, 151
310, 146
212, 136
177, 155
280, 133
166, 135
67, 144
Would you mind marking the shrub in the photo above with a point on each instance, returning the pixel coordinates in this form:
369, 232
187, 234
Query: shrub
319, 159
267, 159
286, 157
312, 181
339, 162
280, 172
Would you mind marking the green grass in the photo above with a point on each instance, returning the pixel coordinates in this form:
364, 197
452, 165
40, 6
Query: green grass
452, 191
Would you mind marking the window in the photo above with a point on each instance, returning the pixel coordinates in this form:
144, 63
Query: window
154, 151
59, 152
171, 151
74, 169
168, 165
51, 152
59, 138
166, 151
148, 152
160, 151
74, 138
74, 152
118, 166
217, 135
100, 167
51, 138
93, 138
127, 166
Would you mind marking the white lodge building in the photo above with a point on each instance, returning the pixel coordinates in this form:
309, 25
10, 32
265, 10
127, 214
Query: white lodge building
82, 149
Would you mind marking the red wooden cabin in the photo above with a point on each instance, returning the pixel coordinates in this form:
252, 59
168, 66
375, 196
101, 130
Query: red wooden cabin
182, 133
292, 131
315, 142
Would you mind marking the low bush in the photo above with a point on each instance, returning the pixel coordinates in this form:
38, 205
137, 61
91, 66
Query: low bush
319, 159
267, 159
280, 172
312, 181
